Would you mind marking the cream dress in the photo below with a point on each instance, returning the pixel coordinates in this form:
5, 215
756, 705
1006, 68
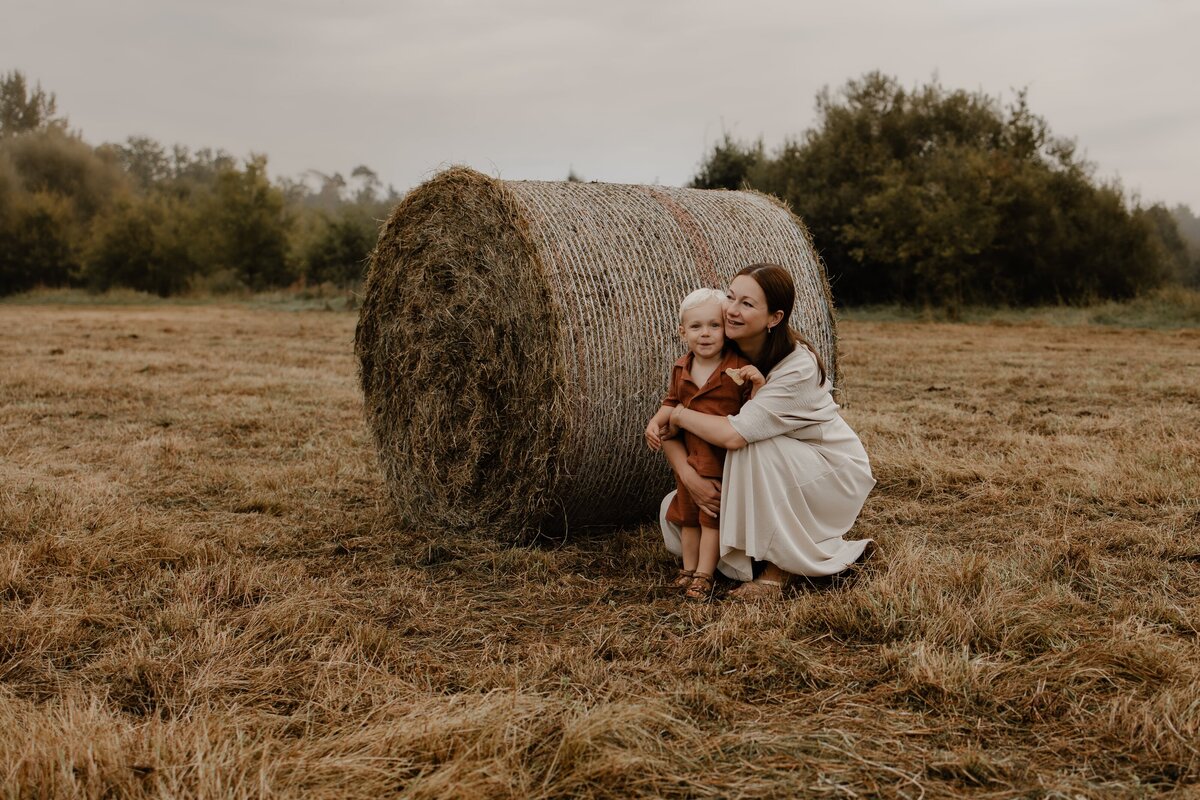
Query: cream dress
797, 486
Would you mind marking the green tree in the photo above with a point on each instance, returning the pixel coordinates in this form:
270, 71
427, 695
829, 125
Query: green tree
62, 164
23, 109
731, 165
52, 185
951, 221
369, 185
338, 251
1175, 252
141, 242
145, 161
36, 242
947, 197
1188, 226
242, 225
336, 224
329, 194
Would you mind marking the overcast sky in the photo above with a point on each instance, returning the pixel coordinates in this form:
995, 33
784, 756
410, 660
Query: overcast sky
618, 90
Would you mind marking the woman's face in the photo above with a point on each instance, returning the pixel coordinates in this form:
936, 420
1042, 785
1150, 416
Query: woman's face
746, 315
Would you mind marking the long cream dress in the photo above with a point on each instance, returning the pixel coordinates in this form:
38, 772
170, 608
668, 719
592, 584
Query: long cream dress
790, 494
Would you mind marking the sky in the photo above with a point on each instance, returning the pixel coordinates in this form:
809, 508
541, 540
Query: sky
628, 91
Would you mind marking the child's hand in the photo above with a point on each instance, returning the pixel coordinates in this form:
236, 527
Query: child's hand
655, 434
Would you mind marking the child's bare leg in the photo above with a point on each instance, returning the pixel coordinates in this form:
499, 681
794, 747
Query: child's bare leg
690, 539
709, 550
691, 547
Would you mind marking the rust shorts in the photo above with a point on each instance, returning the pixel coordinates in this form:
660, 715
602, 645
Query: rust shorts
684, 511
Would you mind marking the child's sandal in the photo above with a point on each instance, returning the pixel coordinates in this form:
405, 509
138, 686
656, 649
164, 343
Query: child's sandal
683, 578
700, 588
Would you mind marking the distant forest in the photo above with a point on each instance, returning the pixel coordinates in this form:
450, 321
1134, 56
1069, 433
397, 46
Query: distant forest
921, 196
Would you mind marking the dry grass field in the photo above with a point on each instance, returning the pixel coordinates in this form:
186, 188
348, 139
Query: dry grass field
202, 593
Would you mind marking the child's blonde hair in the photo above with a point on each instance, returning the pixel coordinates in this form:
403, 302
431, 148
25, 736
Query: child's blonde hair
699, 298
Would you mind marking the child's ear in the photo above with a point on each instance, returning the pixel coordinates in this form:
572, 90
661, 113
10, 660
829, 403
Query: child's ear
682, 333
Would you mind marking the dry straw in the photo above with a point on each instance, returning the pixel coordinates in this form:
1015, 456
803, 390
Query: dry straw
515, 336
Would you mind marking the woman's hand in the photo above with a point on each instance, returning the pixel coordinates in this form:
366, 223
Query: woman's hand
706, 492
751, 373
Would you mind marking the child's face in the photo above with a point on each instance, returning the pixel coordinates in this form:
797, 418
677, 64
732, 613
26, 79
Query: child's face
703, 328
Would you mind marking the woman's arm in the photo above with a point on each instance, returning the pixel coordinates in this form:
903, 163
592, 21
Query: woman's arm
704, 491
709, 427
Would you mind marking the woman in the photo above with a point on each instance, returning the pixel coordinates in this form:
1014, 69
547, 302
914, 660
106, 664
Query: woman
795, 475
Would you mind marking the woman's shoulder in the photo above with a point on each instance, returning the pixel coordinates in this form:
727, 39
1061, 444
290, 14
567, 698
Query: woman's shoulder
800, 364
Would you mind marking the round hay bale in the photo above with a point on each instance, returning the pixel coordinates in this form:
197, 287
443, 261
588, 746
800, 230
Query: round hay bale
515, 337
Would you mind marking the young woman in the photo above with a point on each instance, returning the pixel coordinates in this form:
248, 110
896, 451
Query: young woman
796, 475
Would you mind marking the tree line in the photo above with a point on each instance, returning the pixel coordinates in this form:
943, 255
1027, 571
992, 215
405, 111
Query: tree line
945, 198
918, 196
167, 220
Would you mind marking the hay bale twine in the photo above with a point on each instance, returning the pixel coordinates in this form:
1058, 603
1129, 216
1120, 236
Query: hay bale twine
515, 336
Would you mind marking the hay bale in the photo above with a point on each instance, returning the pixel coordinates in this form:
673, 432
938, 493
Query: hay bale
515, 336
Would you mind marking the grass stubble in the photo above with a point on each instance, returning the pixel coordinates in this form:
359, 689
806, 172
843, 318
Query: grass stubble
202, 592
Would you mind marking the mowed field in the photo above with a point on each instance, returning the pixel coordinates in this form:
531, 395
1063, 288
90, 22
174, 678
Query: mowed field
202, 593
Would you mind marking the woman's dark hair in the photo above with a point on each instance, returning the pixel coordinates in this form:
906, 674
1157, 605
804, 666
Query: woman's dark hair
780, 292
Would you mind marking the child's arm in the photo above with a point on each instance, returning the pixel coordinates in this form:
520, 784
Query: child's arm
655, 429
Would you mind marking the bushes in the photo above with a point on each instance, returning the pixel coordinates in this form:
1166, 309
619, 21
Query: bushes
141, 243
931, 196
246, 227
51, 187
73, 214
36, 245
135, 216
338, 250
164, 221
923, 196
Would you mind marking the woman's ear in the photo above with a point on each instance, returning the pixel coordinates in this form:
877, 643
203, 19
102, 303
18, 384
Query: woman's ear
775, 319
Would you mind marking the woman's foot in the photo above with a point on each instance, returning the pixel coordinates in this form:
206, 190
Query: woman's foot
683, 578
855, 568
700, 589
758, 589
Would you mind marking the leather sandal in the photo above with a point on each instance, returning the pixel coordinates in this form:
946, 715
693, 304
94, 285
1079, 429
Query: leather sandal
758, 589
683, 578
701, 587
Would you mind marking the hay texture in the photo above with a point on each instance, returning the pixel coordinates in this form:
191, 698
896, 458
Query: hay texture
515, 337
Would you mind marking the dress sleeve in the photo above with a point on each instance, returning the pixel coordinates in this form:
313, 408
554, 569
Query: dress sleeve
791, 399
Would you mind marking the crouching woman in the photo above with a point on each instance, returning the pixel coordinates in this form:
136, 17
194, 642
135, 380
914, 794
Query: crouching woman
796, 475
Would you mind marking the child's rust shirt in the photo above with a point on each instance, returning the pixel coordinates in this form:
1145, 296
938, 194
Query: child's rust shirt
719, 395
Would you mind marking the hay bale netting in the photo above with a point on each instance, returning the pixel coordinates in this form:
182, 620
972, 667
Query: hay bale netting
515, 336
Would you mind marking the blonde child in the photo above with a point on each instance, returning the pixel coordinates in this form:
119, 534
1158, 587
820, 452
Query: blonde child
702, 380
